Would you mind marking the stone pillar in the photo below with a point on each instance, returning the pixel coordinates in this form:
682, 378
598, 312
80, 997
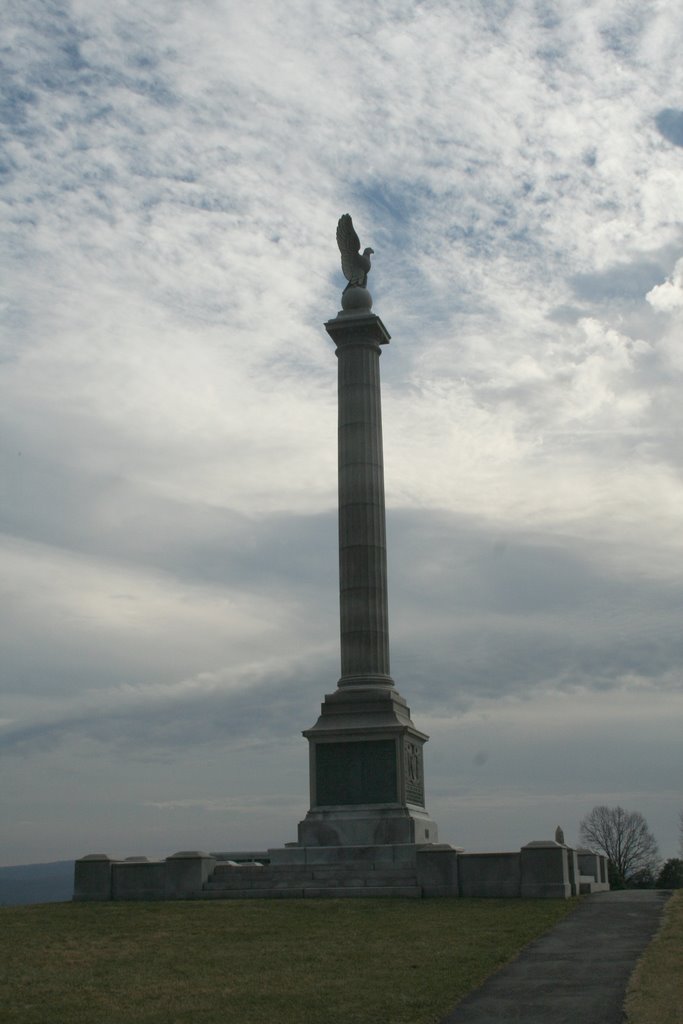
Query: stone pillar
93, 877
545, 871
364, 625
366, 761
186, 873
574, 872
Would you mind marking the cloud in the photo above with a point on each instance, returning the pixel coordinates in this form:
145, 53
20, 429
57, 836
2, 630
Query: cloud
480, 614
627, 282
473, 615
153, 720
167, 391
668, 297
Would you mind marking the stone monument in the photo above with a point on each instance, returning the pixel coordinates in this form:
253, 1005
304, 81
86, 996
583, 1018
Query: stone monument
366, 763
367, 832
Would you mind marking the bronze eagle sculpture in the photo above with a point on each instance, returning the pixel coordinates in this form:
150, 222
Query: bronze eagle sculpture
355, 264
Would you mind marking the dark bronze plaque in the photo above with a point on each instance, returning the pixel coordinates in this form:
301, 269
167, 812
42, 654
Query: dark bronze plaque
415, 787
356, 773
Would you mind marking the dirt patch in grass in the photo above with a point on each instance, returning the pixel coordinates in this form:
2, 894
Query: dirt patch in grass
252, 962
655, 992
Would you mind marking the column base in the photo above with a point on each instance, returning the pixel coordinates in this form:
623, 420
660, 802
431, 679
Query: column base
366, 826
366, 771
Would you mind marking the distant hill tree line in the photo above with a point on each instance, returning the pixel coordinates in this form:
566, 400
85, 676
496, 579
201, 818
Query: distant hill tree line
36, 883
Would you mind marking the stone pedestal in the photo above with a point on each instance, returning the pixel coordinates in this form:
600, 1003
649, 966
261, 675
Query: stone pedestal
366, 773
545, 871
186, 872
593, 871
93, 877
366, 761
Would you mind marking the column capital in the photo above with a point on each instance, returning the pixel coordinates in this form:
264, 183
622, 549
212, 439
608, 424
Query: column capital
357, 329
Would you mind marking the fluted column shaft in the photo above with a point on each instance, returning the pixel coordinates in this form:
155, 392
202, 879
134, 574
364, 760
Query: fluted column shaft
364, 623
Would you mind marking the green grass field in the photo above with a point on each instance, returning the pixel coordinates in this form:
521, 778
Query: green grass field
252, 962
655, 993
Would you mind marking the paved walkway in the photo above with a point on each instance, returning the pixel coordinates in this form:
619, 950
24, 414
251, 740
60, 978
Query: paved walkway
577, 972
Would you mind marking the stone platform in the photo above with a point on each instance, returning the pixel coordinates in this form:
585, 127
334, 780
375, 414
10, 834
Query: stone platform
341, 871
540, 870
406, 870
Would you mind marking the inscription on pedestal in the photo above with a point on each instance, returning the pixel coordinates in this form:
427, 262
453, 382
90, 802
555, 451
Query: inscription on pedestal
415, 789
356, 773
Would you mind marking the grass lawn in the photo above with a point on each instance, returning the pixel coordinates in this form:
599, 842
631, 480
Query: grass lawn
251, 962
655, 994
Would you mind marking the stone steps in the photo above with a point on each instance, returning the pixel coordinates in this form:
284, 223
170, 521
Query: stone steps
344, 882
314, 880
348, 883
303, 874
311, 892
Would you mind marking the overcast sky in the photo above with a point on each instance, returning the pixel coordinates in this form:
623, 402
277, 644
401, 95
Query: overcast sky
172, 176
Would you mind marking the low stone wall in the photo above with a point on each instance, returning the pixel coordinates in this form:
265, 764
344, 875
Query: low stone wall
99, 877
593, 872
540, 870
545, 871
495, 875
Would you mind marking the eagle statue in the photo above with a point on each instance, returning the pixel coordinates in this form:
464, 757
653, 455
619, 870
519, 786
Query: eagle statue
355, 264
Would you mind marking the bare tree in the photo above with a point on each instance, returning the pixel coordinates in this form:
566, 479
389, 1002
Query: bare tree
624, 838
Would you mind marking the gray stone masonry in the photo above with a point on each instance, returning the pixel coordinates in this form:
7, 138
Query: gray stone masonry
494, 875
365, 754
92, 877
137, 878
187, 871
573, 869
545, 871
364, 626
539, 871
593, 871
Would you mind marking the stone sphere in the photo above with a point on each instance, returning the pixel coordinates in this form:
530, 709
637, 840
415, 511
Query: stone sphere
355, 300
